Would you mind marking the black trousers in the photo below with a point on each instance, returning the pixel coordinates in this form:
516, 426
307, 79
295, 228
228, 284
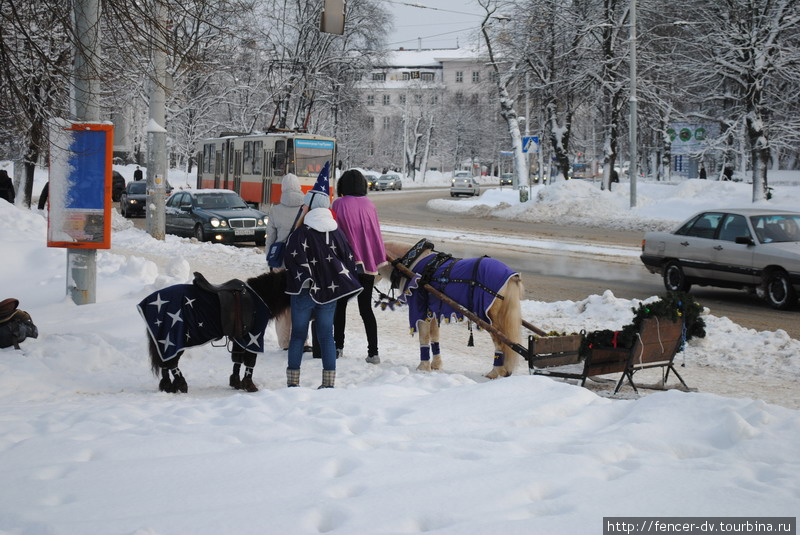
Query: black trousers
367, 316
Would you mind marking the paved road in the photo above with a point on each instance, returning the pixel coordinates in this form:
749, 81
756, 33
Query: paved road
557, 276
550, 276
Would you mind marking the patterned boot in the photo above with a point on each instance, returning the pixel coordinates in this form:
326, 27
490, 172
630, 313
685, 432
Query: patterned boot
292, 377
328, 378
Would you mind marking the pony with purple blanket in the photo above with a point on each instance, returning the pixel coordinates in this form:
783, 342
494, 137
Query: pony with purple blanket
484, 286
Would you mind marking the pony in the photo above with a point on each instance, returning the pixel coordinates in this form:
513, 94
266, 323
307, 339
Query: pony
188, 315
484, 286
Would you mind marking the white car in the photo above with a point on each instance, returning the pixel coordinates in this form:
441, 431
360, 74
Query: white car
744, 248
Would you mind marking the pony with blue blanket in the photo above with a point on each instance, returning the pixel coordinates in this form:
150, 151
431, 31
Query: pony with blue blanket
484, 286
188, 315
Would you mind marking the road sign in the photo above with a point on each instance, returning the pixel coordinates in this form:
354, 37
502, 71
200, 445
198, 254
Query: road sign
530, 144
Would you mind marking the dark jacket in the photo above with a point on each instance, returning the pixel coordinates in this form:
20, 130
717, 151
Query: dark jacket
6, 187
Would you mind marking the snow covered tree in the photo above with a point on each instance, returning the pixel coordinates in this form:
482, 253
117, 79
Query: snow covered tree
744, 67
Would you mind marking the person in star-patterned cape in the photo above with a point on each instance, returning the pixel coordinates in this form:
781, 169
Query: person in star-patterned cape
320, 269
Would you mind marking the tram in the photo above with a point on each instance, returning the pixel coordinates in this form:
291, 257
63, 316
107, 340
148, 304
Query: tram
252, 165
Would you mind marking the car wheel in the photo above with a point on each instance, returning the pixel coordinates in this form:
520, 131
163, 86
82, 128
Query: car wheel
675, 278
199, 234
778, 290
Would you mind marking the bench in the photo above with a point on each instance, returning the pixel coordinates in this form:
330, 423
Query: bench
656, 344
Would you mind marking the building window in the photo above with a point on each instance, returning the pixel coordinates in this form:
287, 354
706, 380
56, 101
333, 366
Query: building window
493, 76
427, 76
370, 100
386, 100
474, 98
406, 76
417, 99
378, 76
387, 122
371, 122
476, 77
371, 149
402, 100
459, 97
459, 76
434, 99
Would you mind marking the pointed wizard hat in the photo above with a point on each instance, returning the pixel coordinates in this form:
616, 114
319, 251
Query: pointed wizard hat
319, 195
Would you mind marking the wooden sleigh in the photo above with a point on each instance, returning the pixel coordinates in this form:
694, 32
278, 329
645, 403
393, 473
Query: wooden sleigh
656, 345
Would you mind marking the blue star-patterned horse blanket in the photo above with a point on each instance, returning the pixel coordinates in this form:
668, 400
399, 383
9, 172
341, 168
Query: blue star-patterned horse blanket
184, 315
473, 283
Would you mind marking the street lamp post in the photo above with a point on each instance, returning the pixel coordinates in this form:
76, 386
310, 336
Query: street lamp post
633, 167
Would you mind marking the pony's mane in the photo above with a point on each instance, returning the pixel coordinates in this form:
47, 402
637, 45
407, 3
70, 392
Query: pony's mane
271, 287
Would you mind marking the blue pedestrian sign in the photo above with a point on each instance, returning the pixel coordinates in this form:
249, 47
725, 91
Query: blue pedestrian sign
530, 144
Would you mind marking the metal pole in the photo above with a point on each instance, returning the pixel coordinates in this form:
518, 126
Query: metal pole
82, 263
633, 171
156, 133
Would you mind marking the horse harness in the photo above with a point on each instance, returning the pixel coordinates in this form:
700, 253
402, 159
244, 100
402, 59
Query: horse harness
428, 274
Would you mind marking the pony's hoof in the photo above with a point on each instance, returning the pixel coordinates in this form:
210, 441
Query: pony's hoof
179, 384
424, 366
497, 371
436, 363
165, 385
248, 385
235, 382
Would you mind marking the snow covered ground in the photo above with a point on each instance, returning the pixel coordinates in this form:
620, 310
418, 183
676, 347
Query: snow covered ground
88, 445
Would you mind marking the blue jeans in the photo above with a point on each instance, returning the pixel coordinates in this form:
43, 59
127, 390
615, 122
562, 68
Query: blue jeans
303, 308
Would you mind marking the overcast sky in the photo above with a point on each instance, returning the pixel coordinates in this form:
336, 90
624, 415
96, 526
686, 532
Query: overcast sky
440, 24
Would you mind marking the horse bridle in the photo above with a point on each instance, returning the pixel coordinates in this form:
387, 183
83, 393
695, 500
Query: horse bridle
408, 260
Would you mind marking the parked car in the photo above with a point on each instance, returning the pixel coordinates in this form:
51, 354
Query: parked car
743, 248
214, 215
133, 199
506, 179
117, 185
389, 182
464, 186
372, 178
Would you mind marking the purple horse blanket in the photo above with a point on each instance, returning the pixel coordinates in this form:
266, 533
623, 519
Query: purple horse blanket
473, 283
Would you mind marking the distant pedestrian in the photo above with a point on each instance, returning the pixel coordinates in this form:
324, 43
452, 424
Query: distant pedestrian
727, 174
6, 187
703, 174
614, 178
138, 175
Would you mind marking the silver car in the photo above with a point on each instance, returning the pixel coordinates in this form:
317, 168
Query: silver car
739, 248
464, 185
389, 182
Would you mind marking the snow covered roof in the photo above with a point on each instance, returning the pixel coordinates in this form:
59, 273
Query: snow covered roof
431, 57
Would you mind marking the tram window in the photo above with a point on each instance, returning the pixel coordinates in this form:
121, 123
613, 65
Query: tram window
280, 158
257, 157
290, 156
247, 167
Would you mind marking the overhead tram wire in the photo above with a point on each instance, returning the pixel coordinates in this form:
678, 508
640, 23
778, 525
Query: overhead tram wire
471, 28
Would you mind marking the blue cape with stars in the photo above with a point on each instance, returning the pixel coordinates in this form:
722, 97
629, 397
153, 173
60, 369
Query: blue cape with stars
324, 258
184, 315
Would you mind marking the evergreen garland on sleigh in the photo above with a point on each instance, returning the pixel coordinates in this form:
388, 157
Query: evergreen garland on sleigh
671, 307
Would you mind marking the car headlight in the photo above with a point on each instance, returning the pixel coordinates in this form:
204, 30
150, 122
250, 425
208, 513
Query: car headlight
215, 222
263, 221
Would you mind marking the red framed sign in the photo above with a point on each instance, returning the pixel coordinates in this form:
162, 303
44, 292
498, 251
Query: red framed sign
80, 185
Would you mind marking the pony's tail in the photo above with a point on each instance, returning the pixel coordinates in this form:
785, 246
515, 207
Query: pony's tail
512, 320
155, 358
